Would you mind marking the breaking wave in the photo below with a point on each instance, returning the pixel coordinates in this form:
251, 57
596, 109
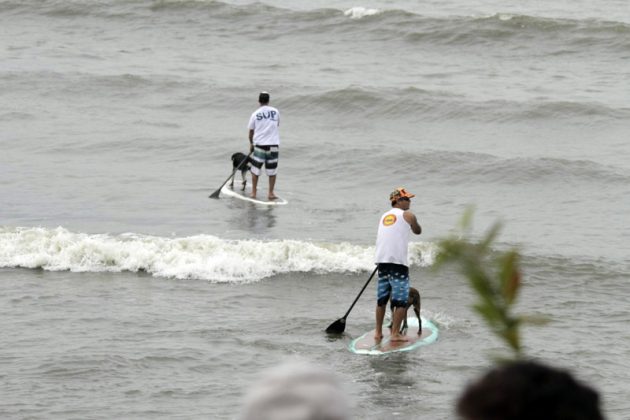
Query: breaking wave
203, 257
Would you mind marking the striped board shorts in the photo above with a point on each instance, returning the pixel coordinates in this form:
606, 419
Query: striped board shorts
265, 155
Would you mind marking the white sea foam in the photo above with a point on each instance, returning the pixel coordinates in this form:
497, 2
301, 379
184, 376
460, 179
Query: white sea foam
360, 12
196, 257
444, 320
505, 16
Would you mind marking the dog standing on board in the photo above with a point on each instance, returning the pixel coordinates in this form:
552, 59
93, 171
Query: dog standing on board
237, 158
414, 300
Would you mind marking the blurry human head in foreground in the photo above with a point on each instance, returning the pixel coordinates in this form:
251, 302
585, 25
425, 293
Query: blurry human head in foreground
296, 391
528, 390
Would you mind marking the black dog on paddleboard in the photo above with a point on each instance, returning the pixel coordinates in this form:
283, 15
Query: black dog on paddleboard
414, 300
237, 158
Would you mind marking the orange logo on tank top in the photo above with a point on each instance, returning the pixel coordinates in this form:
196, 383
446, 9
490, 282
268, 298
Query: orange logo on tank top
389, 220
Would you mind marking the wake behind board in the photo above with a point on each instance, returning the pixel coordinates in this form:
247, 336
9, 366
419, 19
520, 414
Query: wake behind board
245, 195
366, 344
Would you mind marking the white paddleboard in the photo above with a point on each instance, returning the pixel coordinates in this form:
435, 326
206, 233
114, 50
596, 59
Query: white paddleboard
367, 345
245, 195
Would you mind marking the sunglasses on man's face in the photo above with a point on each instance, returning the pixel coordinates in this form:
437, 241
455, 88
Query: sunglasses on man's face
403, 199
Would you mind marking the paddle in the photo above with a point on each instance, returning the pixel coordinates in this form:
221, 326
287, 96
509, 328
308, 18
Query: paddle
339, 325
217, 192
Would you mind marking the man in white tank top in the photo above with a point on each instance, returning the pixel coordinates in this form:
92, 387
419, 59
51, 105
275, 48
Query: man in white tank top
392, 242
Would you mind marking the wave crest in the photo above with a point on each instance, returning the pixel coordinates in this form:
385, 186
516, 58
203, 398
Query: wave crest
443, 106
203, 257
360, 12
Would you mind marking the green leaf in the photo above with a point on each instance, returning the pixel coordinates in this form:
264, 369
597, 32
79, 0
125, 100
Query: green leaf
509, 275
495, 277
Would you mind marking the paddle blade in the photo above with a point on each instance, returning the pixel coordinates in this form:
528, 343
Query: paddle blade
337, 327
215, 194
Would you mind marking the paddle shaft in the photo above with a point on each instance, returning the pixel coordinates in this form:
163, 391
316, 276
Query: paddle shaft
361, 292
218, 191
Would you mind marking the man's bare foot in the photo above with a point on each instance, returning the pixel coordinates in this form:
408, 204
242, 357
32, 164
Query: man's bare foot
378, 337
272, 197
399, 338
252, 195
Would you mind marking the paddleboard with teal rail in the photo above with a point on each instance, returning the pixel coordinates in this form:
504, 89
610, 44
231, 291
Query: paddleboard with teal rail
245, 195
367, 345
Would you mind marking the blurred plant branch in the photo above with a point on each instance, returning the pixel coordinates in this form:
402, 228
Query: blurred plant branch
494, 276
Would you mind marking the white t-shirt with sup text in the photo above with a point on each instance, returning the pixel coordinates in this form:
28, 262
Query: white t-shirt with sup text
265, 122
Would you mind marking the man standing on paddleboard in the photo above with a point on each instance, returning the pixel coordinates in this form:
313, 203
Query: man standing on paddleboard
392, 242
264, 141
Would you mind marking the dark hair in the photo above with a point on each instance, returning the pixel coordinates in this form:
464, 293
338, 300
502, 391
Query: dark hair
528, 390
263, 98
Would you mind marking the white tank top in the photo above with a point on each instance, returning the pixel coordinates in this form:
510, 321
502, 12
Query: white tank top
392, 239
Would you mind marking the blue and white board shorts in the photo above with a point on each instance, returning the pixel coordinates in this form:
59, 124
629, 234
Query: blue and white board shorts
265, 155
393, 280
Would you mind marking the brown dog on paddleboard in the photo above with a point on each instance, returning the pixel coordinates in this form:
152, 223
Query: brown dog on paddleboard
413, 300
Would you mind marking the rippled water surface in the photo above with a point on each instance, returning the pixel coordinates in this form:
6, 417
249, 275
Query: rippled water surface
128, 293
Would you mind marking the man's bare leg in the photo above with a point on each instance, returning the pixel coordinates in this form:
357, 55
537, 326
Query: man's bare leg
399, 314
254, 184
380, 315
272, 184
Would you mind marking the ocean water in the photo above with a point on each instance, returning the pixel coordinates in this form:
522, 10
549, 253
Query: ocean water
127, 293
